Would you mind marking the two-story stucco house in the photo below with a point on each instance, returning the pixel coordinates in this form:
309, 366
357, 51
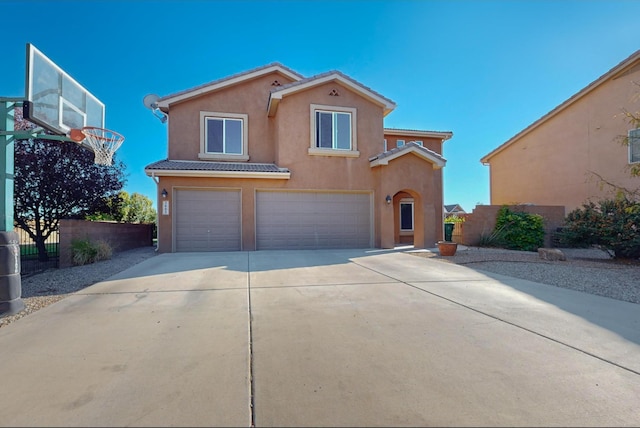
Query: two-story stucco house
269, 159
557, 159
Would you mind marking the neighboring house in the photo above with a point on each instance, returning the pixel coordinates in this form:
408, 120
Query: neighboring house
552, 161
453, 209
268, 159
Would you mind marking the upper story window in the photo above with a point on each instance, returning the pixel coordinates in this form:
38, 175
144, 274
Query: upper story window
333, 131
385, 144
634, 145
223, 136
399, 143
418, 142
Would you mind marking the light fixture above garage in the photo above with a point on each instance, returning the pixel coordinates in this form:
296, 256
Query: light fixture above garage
388, 199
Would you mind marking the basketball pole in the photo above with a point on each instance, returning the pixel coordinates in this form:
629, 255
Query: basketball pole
10, 280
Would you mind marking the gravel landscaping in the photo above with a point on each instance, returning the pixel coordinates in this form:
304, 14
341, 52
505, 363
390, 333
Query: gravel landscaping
587, 270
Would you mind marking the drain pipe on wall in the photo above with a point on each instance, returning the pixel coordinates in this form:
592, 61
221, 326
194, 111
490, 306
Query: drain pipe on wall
157, 181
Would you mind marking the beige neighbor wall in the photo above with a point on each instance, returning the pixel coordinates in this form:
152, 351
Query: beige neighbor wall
551, 164
482, 220
121, 236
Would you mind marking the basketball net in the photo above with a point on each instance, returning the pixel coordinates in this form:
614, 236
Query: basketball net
103, 142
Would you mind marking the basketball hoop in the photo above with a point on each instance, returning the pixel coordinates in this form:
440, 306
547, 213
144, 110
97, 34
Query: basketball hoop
102, 141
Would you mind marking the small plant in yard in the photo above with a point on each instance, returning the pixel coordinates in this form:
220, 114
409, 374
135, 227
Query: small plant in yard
85, 251
452, 218
493, 239
516, 231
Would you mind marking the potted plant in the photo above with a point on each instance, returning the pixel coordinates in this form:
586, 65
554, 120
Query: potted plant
448, 247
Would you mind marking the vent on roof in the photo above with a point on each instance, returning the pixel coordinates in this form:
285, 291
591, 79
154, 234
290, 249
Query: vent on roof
334, 93
276, 83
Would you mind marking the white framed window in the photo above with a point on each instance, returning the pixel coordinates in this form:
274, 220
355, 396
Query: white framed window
418, 142
223, 136
406, 216
333, 131
399, 143
385, 145
634, 145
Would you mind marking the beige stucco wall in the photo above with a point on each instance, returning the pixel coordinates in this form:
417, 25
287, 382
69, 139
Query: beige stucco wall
411, 175
285, 140
246, 98
551, 165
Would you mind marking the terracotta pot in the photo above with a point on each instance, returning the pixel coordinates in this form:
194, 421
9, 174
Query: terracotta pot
447, 248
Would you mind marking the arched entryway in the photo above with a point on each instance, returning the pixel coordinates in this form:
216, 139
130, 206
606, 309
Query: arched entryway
407, 218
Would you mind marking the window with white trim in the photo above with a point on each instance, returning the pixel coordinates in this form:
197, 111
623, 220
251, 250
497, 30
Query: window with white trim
385, 144
406, 216
333, 131
399, 143
418, 142
634, 145
223, 136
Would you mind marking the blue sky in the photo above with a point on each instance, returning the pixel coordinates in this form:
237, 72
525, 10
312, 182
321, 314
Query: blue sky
481, 69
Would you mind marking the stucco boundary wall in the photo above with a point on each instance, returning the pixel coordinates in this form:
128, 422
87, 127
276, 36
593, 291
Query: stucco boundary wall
121, 236
482, 221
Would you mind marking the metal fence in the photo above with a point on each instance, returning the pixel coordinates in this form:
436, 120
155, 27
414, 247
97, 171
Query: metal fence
30, 260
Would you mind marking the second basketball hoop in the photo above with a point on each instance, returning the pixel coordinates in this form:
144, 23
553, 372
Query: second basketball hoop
103, 142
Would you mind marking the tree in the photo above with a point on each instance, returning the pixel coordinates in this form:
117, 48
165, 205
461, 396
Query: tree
55, 180
122, 207
139, 209
634, 120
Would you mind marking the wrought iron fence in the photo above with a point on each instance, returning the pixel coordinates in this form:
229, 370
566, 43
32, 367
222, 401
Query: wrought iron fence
31, 261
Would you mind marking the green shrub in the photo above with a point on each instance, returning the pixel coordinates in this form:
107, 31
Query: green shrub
494, 239
85, 251
103, 250
516, 231
611, 224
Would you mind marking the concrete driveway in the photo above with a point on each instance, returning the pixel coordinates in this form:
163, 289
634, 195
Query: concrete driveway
321, 338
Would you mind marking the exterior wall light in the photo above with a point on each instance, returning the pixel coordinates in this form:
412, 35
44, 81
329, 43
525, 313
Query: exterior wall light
164, 193
388, 199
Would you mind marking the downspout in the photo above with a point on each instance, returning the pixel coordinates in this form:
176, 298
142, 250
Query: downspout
157, 181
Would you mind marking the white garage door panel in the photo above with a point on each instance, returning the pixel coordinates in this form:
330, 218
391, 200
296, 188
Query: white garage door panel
207, 220
306, 220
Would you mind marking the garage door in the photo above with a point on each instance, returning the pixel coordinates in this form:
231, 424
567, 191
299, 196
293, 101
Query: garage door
313, 220
207, 220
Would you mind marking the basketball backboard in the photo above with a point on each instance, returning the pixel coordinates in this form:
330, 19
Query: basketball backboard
55, 101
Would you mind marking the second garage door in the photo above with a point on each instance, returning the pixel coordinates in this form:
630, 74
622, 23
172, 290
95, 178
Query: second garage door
313, 220
207, 220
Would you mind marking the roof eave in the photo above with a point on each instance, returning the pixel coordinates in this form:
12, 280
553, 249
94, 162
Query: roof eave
436, 161
387, 105
216, 174
164, 102
443, 135
613, 73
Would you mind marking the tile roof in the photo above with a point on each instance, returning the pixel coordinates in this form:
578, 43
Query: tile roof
422, 131
233, 76
396, 150
329, 73
181, 165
